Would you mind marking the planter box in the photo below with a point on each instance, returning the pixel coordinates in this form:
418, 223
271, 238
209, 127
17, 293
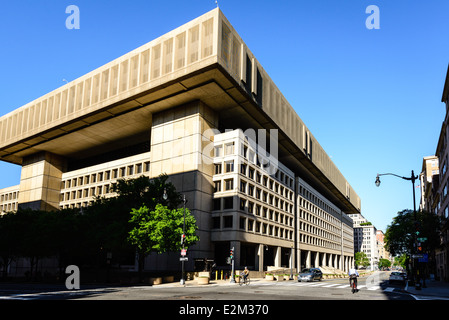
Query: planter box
269, 277
203, 280
155, 281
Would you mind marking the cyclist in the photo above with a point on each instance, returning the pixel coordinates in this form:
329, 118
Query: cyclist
245, 274
353, 274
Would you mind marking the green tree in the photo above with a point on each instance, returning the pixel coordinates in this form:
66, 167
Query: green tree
361, 259
401, 233
384, 263
109, 217
160, 230
10, 237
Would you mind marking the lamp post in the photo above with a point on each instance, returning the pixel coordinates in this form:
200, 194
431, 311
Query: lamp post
183, 236
412, 178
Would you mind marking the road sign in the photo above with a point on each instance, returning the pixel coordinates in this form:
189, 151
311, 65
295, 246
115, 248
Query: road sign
417, 256
183, 252
422, 239
183, 259
425, 258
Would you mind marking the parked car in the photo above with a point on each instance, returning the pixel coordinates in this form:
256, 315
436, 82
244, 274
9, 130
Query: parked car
310, 274
398, 277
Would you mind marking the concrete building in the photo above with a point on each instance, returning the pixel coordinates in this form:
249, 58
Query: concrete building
365, 239
429, 182
382, 253
441, 196
183, 105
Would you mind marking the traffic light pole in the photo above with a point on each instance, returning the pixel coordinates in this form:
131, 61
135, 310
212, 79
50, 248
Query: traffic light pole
232, 264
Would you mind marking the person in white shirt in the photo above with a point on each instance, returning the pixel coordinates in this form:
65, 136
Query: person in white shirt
353, 274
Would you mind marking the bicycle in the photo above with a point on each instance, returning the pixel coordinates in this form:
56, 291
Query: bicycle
244, 280
353, 284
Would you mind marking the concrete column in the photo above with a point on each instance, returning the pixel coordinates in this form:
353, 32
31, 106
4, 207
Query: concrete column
40, 181
323, 261
317, 260
259, 258
277, 257
308, 259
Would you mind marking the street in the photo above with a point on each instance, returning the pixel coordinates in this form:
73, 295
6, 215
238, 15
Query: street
374, 288
219, 299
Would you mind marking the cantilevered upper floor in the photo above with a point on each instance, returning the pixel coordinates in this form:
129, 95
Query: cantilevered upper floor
206, 60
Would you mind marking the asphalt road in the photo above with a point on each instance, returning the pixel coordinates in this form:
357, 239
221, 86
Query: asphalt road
266, 299
374, 288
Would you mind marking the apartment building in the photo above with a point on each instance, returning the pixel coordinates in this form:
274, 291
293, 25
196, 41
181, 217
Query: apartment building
365, 239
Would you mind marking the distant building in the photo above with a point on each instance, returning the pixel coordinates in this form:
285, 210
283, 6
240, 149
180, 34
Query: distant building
382, 253
365, 239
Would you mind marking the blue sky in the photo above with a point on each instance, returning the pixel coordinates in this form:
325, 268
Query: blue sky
372, 98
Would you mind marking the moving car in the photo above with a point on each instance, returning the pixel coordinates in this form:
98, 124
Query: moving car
396, 276
310, 274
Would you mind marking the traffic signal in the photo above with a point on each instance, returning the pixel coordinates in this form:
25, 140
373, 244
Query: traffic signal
232, 254
183, 239
417, 228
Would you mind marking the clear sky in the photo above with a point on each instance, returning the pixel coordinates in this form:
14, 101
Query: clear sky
372, 97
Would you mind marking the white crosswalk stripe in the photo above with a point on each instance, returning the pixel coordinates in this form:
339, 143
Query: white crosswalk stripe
323, 285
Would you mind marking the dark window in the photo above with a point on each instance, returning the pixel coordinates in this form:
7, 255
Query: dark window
228, 221
217, 204
228, 203
216, 223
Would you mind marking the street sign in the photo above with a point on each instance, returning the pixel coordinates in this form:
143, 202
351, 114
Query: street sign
417, 256
183, 252
422, 239
425, 258
183, 259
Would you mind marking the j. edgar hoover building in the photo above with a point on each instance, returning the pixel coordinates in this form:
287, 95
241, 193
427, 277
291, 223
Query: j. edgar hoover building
196, 105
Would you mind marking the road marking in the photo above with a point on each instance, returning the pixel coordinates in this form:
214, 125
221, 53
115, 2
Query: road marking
317, 284
331, 285
374, 288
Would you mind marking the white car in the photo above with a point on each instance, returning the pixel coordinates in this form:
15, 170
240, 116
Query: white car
397, 277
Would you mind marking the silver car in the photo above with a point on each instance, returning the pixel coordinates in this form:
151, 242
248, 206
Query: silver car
310, 274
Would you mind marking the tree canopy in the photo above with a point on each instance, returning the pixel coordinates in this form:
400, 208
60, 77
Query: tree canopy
401, 233
138, 218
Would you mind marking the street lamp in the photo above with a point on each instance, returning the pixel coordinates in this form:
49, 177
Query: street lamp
412, 178
183, 237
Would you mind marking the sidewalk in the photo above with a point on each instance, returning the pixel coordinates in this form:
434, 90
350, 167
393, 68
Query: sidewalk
434, 288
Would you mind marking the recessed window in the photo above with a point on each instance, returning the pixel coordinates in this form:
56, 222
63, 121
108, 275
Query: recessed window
228, 221
229, 184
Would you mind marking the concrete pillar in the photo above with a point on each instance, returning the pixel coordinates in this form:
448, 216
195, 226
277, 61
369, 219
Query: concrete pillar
277, 256
308, 258
259, 258
323, 261
181, 149
317, 260
40, 181
298, 259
